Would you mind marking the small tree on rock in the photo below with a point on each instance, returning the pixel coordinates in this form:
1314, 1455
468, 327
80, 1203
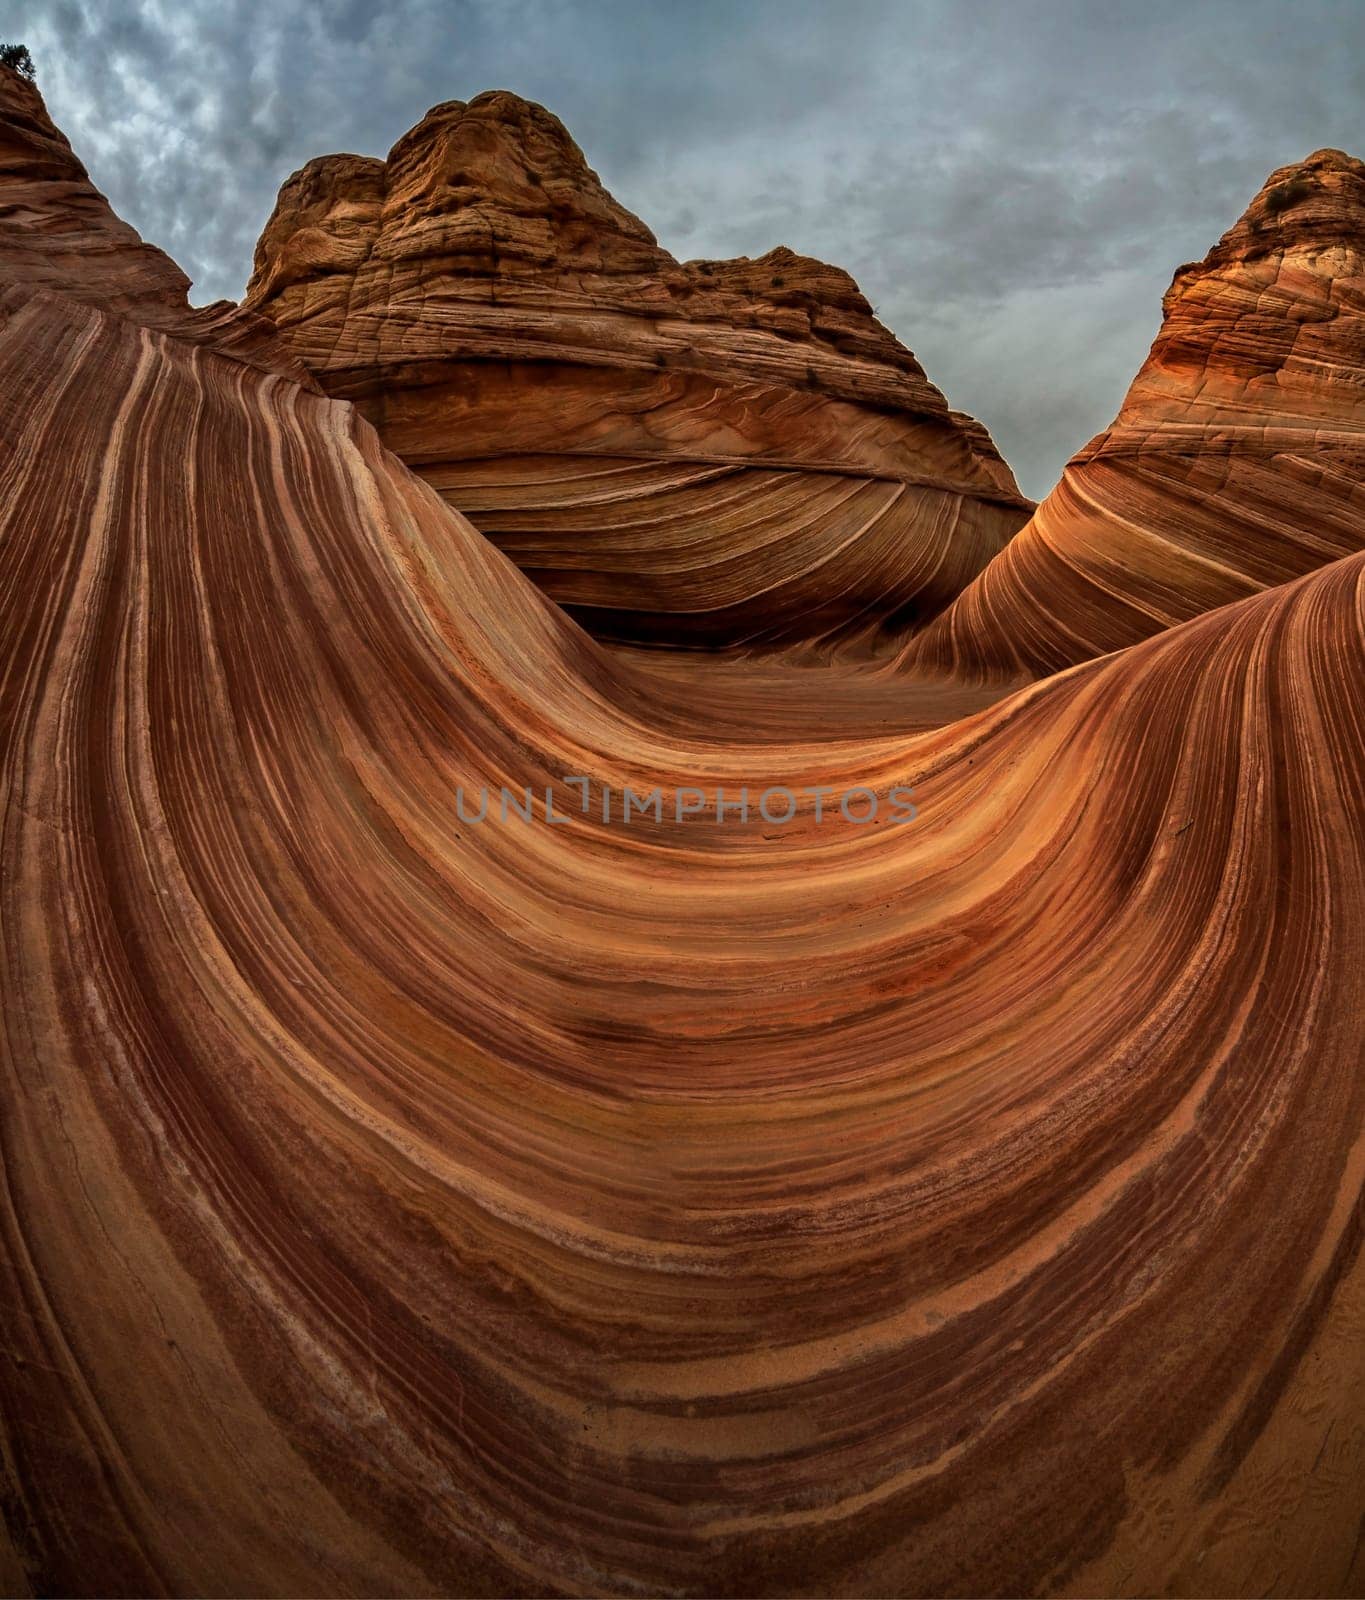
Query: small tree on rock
17, 58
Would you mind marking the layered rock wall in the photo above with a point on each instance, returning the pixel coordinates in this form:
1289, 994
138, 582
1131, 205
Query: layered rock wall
699, 453
1236, 463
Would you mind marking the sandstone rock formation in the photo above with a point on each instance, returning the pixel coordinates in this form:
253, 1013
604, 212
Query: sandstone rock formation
398, 1205
58, 232
1237, 460
709, 452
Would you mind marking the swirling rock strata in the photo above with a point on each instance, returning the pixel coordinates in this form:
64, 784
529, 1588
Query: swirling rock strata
1237, 461
394, 1204
699, 453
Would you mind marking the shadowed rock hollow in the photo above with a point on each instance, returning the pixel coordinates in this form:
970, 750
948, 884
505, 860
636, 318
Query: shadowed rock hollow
701, 453
395, 1205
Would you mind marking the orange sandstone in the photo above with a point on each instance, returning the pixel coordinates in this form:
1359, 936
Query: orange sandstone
700, 453
397, 1206
1237, 460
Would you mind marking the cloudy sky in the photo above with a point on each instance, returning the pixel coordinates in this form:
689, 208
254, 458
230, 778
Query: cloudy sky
1011, 183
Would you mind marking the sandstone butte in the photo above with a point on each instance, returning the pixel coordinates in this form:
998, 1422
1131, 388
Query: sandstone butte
1236, 463
397, 1206
681, 453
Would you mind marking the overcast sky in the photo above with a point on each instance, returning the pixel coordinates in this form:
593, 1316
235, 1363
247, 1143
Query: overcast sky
1012, 184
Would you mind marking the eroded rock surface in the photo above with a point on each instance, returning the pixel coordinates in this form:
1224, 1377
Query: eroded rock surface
393, 1204
1237, 461
699, 453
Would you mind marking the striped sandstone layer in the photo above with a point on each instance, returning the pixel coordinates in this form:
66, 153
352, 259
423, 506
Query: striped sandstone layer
1237, 461
391, 1204
706, 453
398, 1205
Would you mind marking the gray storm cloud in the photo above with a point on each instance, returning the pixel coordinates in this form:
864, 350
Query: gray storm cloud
1012, 184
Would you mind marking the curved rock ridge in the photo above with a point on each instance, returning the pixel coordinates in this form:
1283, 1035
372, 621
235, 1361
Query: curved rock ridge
395, 1203
1237, 460
705, 453
57, 231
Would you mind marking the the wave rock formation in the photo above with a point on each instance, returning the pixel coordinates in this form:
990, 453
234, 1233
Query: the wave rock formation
394, 1204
